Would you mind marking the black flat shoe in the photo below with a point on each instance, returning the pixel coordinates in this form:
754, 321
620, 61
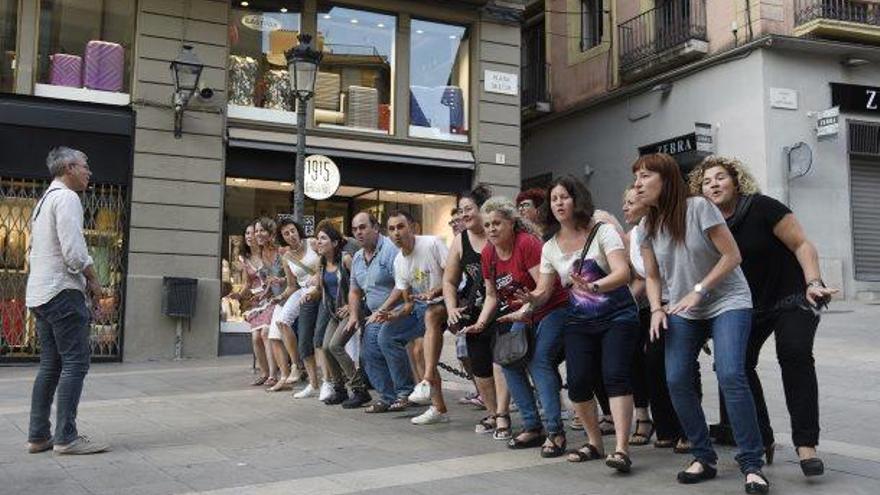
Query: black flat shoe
755, 487
812, 466
535, 441
687, 478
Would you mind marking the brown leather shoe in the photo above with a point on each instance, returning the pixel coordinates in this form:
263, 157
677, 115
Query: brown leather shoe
37, 447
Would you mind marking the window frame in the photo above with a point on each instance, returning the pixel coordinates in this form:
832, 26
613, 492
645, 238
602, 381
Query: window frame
592, 16
473, 44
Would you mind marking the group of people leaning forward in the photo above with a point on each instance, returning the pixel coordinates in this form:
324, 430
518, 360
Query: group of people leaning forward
707, 259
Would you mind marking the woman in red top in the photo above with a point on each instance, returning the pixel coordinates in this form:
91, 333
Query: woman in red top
510, 264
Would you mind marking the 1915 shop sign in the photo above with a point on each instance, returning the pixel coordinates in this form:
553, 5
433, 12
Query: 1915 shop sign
854, 98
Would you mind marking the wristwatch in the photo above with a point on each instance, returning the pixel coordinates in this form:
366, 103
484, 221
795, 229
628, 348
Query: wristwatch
594, 288
699, 289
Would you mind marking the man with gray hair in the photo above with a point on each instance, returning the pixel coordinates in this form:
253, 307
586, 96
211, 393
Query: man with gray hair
61, 276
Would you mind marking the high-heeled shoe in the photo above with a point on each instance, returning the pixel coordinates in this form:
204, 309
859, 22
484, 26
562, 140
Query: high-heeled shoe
769, 451
812, 466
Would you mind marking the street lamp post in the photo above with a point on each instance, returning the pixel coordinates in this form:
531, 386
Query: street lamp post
302, 63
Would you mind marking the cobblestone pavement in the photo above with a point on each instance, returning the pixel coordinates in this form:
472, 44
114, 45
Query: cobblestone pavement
196, 427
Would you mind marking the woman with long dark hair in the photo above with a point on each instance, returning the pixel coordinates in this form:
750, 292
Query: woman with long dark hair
601, 326
689, 248
252, 297
333, 283
782, 268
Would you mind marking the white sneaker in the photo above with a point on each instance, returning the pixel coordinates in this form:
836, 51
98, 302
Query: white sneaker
421, 394
326, 391
306, 393
430, 417
81, 446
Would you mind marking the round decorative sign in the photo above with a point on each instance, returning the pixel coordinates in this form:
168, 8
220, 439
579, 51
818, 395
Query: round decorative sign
322, 177
259, 22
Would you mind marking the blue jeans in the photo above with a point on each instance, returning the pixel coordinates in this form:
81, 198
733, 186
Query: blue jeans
385, 356
543, 366
730, 333
63, 329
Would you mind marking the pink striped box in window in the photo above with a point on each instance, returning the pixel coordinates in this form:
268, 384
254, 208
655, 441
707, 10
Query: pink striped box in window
65, 70
104, 66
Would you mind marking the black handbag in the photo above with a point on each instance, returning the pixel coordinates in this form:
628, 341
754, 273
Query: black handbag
510, 341
511, 344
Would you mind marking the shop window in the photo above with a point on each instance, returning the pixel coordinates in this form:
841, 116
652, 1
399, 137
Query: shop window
591, 24
258, 78
353, 88
439, 81
8, 22
85, 50
105, 221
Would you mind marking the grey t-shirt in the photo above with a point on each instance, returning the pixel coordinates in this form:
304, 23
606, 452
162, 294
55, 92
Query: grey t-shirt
683, 265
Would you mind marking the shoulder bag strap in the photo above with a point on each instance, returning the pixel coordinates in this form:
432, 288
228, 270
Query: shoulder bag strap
589, 241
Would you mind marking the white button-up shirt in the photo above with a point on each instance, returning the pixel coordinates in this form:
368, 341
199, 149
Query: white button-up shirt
58, 253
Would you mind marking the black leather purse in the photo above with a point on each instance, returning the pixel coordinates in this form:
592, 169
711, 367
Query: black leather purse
511, 342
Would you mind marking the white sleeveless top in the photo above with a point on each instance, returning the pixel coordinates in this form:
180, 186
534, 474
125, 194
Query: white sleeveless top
310, 261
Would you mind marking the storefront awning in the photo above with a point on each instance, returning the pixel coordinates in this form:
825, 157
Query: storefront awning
351, 148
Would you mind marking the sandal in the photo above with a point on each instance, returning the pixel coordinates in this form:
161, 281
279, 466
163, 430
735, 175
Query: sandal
551, 449
639, 438
535, 441
486, 425
664, 444
280, 386
755, 486
682, 446
606, 426
502, 433
587, 452
619, 461
271, 381
377, 407
260, 380
399, 405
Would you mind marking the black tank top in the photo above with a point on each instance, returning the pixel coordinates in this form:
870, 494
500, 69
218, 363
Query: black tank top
471, 268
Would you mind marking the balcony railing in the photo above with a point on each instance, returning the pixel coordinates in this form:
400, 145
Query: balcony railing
664, 27
838, 10
534, 84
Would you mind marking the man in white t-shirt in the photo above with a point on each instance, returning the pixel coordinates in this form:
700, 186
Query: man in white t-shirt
418, 280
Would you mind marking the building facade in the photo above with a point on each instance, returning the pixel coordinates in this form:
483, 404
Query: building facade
402, 107
788, 87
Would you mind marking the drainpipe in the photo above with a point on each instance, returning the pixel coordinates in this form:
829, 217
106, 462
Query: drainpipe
749, 19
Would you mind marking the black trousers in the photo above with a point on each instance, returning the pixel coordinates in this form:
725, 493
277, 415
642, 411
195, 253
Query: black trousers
649, 380
795, 332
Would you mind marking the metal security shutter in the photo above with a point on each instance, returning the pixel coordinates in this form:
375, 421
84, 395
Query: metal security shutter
864, 148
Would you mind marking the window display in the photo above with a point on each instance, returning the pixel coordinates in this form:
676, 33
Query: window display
85, 45
105, 221
439, 81
353, 87
258, 77
8, 23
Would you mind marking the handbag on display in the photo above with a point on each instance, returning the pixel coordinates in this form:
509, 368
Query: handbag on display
278, 93
104, 66
242, 80
66, 70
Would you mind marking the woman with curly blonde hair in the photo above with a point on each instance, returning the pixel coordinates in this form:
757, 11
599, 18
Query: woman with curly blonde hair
782, 269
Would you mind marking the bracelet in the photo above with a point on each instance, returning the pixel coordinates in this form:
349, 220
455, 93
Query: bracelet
655, 310
816, 282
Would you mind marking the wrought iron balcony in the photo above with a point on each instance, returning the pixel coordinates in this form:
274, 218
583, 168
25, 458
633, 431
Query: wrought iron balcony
860, 12
663, 34
845, 20
534, 85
